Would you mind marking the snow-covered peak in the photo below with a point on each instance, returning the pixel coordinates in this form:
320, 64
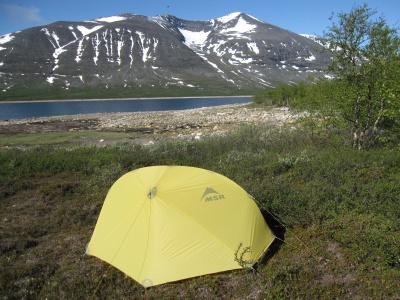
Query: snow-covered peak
235, 15
228, 18
242, 26
236, 25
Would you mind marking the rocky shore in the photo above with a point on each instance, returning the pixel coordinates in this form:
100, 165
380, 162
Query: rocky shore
173, 123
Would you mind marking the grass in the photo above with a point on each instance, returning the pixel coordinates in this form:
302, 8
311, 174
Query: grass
338, 212
59, 138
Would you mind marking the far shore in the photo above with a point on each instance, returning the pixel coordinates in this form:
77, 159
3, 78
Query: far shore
110, 99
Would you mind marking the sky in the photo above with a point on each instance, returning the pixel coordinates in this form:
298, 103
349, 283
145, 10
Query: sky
299, 16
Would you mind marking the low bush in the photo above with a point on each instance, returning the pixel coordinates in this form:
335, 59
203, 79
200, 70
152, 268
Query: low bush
339, 207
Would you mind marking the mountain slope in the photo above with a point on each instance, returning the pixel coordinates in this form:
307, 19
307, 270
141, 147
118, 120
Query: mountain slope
235, 51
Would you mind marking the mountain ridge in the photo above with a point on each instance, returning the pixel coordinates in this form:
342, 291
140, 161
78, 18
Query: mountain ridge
236, 51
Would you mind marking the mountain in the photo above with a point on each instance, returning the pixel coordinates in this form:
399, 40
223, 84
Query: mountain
235, 51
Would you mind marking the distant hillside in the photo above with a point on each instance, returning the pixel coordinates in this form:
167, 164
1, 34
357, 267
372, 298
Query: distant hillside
237, 51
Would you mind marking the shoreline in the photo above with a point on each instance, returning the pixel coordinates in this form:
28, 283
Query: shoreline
124, 99
148, 128
139, 116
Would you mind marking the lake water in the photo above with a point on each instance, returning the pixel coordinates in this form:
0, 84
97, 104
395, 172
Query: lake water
21, 110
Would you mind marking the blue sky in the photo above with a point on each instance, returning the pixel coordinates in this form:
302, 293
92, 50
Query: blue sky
299, 16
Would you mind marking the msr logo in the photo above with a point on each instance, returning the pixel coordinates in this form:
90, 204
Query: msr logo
211, 195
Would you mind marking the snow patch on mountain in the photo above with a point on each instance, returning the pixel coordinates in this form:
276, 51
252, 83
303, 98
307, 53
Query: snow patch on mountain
236, 60
86, 31
228, 18
79, 52
111, 19
309, 36
313, 38
6, 38
253, 47
145, 44
72, 31
47, 32
160, 21
217, 48
241, 28
96, 42
310, 58
193, 38
56, 54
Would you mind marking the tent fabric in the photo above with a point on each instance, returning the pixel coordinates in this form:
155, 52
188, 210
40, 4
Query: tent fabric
166, 223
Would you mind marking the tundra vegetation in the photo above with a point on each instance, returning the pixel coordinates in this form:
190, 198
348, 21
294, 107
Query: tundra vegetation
331, 198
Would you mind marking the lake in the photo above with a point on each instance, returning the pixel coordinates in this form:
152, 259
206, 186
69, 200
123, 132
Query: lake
29, 109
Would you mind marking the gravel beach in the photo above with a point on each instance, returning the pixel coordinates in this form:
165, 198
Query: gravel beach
173, 123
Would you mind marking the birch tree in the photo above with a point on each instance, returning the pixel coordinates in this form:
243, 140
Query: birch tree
366, 66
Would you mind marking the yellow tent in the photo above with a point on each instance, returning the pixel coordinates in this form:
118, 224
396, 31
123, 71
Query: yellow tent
166, 223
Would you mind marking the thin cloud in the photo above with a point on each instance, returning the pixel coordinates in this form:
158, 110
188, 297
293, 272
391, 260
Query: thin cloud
25, 14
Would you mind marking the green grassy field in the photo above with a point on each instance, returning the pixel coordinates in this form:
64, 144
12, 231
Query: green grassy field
336, 211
